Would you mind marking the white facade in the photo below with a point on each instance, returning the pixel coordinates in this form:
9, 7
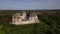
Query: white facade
20, 19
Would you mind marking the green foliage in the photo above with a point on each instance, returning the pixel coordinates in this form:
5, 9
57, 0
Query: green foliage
49, 24
1, 31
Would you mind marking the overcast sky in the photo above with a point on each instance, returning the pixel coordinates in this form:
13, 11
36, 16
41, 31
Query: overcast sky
29, 4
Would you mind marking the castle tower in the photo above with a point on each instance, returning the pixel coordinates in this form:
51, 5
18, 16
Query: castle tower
24, 15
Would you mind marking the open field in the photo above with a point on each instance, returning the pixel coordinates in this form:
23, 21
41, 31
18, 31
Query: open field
49, 23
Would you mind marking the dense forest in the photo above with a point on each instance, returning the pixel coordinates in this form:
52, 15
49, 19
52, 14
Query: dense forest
49, 23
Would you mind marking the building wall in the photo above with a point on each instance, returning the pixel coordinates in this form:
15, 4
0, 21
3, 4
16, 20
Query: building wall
24, 22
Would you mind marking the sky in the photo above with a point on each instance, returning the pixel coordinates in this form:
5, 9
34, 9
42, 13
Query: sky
29, 4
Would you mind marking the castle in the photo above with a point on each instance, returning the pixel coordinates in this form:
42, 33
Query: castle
24, 18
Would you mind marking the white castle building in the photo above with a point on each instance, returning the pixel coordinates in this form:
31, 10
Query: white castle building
24, 18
